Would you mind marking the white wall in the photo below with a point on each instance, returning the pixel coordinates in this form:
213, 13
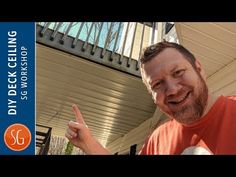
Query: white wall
224, 81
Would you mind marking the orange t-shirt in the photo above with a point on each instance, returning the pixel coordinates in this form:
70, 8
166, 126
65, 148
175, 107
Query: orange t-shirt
215, 133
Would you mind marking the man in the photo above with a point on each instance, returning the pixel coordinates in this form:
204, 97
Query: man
200, 122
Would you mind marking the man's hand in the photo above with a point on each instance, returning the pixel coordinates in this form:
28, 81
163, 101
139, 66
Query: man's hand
79, 134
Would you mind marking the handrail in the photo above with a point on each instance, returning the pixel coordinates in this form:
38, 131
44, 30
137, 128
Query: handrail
44, 142
114, 44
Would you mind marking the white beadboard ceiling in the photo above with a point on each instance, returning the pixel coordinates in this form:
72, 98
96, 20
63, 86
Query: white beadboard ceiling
112, 102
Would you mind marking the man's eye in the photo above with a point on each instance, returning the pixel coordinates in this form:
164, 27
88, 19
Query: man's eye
179, 73
156, 85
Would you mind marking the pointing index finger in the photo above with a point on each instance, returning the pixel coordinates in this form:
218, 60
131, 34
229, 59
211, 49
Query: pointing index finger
78, 115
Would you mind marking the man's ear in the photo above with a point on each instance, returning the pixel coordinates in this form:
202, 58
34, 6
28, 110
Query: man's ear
144, 80
200, 69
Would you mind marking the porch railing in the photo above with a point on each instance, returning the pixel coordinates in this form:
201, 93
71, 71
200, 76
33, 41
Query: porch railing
43, 137
115, 44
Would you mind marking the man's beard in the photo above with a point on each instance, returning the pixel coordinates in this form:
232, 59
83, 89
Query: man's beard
191, 113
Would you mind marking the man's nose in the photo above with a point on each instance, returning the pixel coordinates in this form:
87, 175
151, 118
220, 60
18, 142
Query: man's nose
172, 88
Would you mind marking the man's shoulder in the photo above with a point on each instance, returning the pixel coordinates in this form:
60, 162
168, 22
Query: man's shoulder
229, 103
232, 97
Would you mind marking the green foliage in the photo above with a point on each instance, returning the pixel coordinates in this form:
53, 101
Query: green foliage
69, 148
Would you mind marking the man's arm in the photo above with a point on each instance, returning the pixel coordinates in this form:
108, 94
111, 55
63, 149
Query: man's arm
79, 134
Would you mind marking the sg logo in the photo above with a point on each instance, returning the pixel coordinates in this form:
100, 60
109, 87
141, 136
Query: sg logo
17, 137
17, 140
